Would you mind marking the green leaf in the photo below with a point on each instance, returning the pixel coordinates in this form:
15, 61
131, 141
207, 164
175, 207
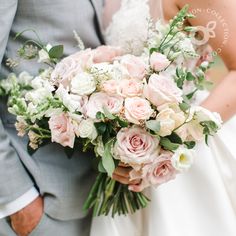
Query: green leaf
108, 114
100, 116
190, 76
56, 51
190, 144
101, 127
152, 50
168, 145
175, 138
153, 125
107, 159
101, 167
122, 123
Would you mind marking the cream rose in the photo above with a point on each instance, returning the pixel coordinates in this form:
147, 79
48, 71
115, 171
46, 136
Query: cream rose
83, 84
87, 129
110, 86
160, 90
169, 120
158, 61
98, 101
135, 147
137, 109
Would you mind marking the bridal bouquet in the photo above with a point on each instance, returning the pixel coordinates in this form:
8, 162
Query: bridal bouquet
131, 110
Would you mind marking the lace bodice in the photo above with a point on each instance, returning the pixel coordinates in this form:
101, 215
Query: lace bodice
129, 25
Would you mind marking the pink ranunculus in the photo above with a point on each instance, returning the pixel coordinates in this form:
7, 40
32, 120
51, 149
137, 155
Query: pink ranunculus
160, 90
135, 147
62, 130
98, 101
106, 54
135, 66
158, 172
130, 88
159, 61
110, 86
137, 109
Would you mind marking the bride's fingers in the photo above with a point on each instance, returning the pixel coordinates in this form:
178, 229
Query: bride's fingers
123, 171
124, 180
122, 164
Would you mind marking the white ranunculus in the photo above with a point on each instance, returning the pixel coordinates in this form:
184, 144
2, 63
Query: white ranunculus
71, 101
182, 159
87, 129
83, 84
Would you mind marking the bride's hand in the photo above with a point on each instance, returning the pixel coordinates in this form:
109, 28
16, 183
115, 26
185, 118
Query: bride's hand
121, 174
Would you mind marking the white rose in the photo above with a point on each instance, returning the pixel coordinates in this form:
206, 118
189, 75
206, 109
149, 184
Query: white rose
183, 159
83, 84
39, 83
202, 114
87, 129
71, 101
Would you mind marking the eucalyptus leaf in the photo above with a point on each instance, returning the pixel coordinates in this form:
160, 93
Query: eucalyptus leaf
190, 76
107, 159
153, 125
190, 144
108, 114
101, 127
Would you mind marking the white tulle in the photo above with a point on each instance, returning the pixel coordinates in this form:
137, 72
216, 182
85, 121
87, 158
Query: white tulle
201, 202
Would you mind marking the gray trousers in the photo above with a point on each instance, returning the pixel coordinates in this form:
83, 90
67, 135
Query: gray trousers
51, 227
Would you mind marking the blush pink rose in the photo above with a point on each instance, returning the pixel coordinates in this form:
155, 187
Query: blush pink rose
130, 88
110, 86
159, 61
135, 147
160, 90
135, 66
62, 130
106, 54
156, 173
137, 109
98, 101
65, 71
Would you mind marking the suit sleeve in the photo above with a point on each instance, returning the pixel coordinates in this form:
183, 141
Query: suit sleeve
14, 179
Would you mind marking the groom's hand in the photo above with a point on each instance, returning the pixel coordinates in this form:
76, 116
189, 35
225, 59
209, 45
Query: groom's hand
121, 174
24, 221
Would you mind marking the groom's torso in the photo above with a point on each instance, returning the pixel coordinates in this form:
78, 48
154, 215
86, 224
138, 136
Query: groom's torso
63, 182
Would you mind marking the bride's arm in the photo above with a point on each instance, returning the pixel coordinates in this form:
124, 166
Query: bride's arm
223, 98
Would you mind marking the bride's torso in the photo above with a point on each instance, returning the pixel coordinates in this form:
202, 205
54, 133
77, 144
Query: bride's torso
126, 22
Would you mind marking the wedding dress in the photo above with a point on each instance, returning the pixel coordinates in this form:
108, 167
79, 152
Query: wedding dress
201, 202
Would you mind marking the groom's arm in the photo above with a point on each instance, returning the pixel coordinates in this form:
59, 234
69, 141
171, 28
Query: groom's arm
16, 187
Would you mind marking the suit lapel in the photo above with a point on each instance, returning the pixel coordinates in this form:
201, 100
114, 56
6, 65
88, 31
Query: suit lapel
98, 8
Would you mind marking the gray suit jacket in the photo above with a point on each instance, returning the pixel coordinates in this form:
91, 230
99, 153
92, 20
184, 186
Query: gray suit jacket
63, 182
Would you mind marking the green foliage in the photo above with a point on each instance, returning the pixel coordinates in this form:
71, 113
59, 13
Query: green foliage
190, 144
153, 125
107, 158
56, 52
168, 145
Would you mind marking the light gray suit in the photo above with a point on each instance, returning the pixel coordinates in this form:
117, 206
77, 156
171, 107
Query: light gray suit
63, 183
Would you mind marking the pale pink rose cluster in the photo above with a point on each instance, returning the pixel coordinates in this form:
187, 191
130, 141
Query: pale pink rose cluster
140, 150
